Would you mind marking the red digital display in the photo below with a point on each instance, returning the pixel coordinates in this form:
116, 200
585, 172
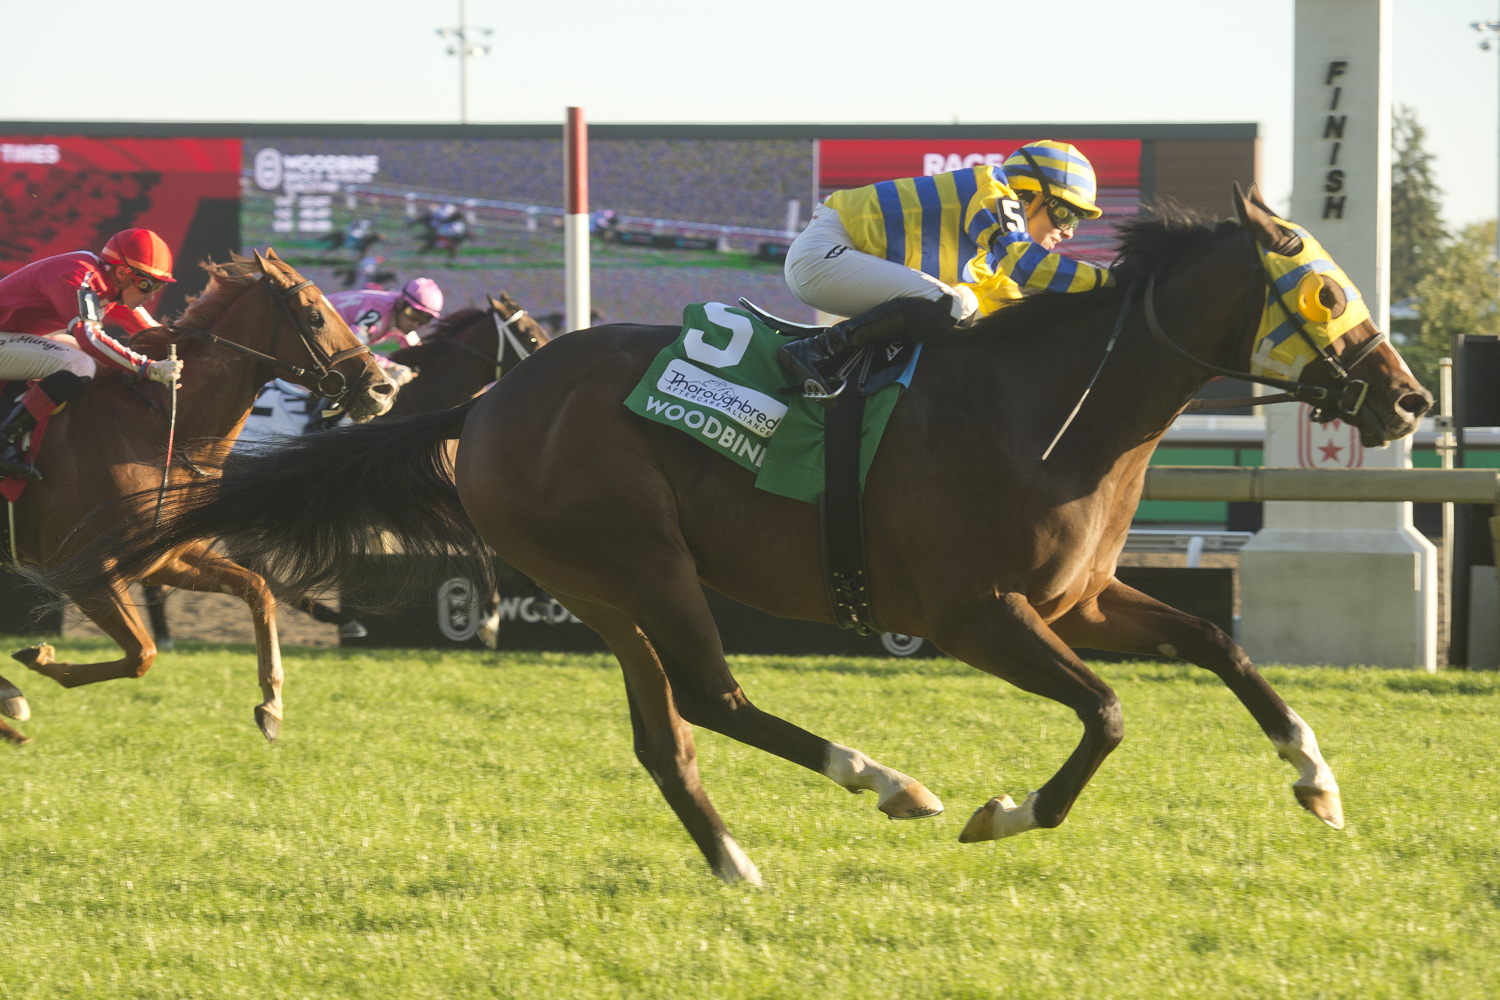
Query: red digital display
60, 193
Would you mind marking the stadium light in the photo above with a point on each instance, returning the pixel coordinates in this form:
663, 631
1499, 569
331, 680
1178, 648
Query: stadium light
1491, 30
462, 44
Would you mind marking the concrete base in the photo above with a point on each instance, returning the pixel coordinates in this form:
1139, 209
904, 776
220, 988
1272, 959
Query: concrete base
1342, 598
1484, 630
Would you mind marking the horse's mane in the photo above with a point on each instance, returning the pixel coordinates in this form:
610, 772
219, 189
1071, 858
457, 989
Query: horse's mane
1150, 244
225, 283
453, 322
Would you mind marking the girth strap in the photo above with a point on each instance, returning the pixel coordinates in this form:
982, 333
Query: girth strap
842, 515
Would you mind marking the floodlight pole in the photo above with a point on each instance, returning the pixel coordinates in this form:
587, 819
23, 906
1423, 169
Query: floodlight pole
1489, 29
463, 48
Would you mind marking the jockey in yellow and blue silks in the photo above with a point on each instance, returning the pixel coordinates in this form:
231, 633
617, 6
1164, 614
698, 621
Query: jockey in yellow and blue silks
940, 250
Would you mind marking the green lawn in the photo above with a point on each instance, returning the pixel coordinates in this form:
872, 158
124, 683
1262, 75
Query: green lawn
473, 826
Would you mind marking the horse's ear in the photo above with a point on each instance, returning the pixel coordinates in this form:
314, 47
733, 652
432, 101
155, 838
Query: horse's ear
261, 260
1256, 218
495, 303
271, 253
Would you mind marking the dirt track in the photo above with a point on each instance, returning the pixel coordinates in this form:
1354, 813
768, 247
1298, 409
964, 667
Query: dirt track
221, 618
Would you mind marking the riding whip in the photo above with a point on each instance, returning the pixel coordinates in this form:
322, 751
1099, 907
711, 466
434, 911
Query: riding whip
166, 469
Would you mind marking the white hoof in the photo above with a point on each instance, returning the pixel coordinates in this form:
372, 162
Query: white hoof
15, 705
734, 865
1324, 803
999, 818
912, 802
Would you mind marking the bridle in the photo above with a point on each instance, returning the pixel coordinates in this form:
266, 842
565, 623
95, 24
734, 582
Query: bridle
504, 334
1343, 400
327, 382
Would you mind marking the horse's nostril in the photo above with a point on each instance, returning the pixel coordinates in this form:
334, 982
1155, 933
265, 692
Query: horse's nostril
1415, 403
383, 388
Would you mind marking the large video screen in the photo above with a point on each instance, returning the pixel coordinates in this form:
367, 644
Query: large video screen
677, 216
673, 220
60, 193
846, 163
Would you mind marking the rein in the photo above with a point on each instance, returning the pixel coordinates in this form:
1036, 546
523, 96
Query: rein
504, 334
322, 370
1343, 400
1114, 335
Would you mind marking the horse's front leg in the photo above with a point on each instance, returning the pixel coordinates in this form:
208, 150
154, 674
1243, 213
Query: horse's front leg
1122, 619
200, 568
1007, 638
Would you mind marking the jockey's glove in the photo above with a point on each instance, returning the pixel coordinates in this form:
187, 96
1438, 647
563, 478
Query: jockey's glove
166, 371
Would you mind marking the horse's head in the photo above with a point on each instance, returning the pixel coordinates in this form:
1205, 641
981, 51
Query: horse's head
1315, 330
314, 347
489, 341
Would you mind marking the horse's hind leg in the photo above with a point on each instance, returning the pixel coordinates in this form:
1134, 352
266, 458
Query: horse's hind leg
156, 612
200, 568
15, 736
664, 742
675, 619
1122, 619
1010, 640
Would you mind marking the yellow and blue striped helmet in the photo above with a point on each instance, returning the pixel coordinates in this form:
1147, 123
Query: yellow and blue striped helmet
1069, 174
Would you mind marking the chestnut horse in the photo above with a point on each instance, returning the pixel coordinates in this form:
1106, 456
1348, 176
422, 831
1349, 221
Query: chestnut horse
257, 319
1002, 558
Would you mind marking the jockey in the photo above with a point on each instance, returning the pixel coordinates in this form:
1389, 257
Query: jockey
388, 321
51, 334
939, 251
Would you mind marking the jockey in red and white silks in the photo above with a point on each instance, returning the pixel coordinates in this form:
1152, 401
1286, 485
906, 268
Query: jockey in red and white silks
44, 339
388, 321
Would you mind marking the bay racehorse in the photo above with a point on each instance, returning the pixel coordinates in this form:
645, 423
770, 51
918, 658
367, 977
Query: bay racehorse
465, 352
257, 319
1004, 559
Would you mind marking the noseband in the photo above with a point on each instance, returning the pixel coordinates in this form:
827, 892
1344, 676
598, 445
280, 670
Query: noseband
1341, 401
327, 382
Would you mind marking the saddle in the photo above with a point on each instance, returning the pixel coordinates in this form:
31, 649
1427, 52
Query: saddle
869, 369
841, 507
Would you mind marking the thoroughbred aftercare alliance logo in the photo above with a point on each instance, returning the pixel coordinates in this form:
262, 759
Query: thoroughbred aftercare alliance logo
755, 411
750, 417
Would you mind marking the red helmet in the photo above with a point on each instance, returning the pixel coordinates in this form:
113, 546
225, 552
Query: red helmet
141, 250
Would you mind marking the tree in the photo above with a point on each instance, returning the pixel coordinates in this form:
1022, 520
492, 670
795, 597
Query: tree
1457, 295
1417, 235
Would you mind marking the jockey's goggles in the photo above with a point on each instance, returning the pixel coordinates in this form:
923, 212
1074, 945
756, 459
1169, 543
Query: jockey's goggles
1063, 215
145, 282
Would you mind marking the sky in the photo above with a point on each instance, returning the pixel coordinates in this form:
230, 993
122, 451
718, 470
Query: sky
776, 61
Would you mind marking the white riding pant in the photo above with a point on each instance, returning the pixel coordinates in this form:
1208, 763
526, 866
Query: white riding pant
27, 356
825, 271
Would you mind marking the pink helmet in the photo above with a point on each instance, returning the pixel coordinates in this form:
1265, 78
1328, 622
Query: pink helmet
424, 295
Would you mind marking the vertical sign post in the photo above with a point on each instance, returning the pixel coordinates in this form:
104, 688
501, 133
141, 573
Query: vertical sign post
1323, 582
576, 221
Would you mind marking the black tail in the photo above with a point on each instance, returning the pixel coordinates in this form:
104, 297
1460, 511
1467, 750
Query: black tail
303, 513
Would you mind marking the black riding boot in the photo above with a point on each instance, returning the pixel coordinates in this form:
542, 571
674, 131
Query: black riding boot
47, 396
896, 319
12, 463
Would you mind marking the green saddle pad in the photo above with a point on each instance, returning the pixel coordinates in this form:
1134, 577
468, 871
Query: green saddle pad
719, 383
